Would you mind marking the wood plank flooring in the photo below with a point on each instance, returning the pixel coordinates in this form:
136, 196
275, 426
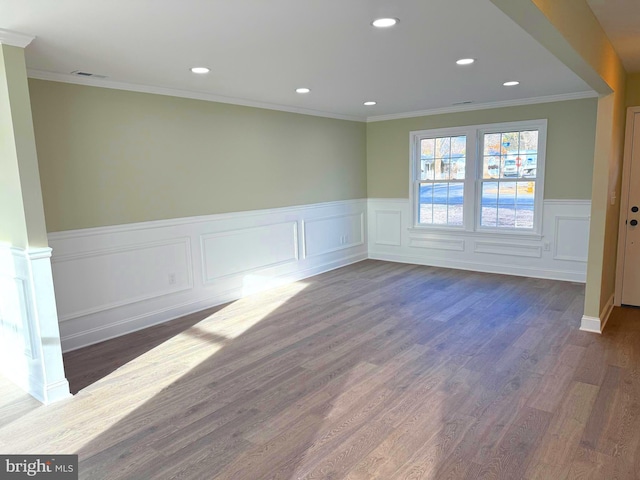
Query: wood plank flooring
373, 371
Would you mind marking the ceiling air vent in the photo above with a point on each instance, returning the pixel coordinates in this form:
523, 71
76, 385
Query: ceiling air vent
80, 73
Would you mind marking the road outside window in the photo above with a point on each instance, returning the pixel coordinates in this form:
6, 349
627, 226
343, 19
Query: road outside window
442, 163
507, 156
479, 178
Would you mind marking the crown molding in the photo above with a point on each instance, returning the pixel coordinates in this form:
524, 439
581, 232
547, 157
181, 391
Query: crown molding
485, 106
15, 39
207, 97
172, 92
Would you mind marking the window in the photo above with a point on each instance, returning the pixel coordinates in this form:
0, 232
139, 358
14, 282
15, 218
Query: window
441, 186
483, 178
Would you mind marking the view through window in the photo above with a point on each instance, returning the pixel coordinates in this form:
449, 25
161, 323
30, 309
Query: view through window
442, 174
479, 178
509, 171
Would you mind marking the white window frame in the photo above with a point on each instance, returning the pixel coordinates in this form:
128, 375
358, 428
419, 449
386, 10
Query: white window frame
473, 178
416, 138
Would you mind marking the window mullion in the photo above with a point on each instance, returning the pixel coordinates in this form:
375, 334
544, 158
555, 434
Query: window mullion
471, 175
508, 146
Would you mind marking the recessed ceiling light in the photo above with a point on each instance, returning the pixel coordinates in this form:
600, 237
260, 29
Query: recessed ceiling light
465, 61
368, 104
384, 22
512, 83
302, 90
200, 70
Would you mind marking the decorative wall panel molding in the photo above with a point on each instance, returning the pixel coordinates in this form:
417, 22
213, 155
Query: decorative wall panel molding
16, 313
175, 267
115, 280
260, 247
320, 238
127, 274
571, 238
388, 224
561, 252
503, 248
437, 244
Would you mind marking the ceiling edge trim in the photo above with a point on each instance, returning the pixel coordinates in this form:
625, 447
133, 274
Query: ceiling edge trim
172, 92
15, 39
101, 83
485, 106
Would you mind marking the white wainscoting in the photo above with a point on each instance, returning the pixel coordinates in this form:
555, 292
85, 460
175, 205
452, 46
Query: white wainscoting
30, 353
111, 281
560, 254
17, 325
262, 247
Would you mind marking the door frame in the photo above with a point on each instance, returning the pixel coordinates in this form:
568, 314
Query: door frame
624, 200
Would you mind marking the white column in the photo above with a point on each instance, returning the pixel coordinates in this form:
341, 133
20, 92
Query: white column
30, 352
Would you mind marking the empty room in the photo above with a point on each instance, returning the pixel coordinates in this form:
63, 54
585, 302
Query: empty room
375, 239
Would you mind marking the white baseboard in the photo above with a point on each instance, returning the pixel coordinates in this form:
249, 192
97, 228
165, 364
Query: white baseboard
590, 324
111, 281
560, 253
595, 324
520, 271
57, 391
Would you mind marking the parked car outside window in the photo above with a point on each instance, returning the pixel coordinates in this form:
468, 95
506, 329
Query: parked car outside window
510, 168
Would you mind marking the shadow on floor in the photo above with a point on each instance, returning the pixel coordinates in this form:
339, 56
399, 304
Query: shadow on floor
88, 365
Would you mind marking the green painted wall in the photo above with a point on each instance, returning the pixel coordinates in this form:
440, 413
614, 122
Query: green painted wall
22, 221
570, 146
110, 157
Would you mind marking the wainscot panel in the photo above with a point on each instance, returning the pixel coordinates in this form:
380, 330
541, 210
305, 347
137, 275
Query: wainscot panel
111, 281
561, 252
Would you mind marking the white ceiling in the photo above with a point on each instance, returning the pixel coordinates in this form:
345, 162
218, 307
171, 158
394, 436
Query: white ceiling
260, 51
620, 20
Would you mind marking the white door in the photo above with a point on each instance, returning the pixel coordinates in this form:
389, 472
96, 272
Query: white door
631, 266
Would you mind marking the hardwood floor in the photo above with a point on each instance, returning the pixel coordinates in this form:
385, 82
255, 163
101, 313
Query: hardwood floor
373, 371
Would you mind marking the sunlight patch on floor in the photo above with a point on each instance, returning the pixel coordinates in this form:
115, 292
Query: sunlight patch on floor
75, 423
254, 283
170, 363
230, 324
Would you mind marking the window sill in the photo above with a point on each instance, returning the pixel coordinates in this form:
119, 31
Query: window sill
447, 232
